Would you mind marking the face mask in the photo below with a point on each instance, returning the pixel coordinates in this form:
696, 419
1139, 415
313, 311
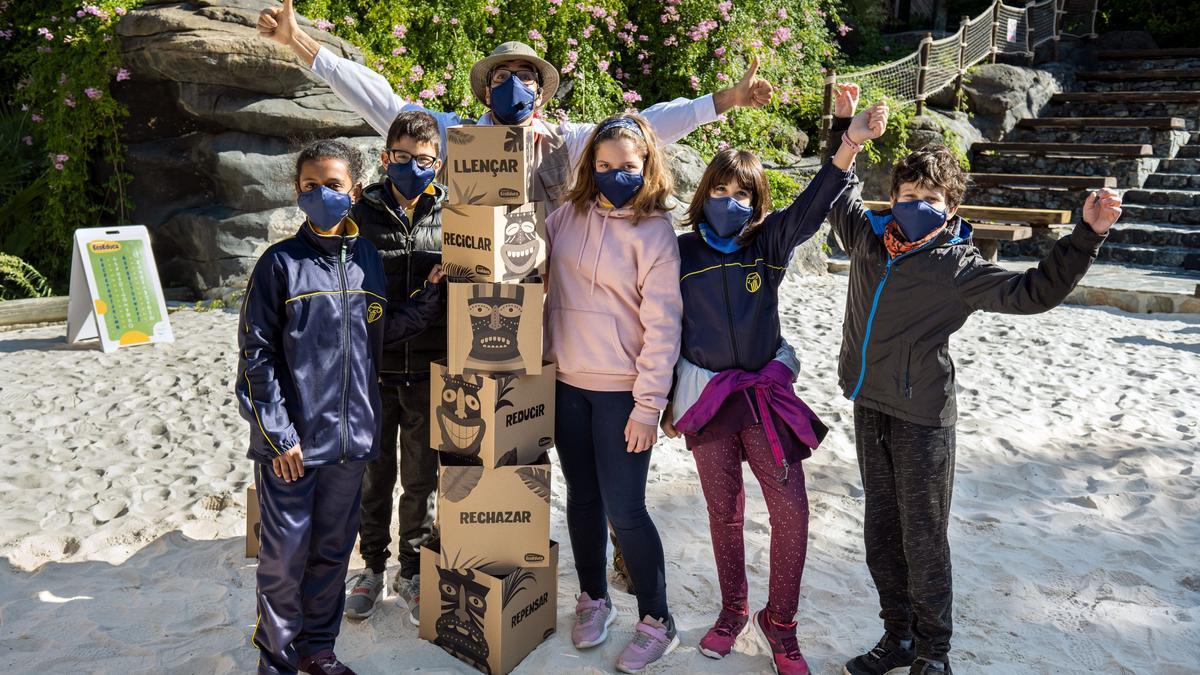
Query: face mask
324, 207
716, 241
410, 179
512, 101
917, 218
618, 186
726, 216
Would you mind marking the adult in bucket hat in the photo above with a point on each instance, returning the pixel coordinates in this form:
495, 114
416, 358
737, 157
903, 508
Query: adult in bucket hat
511, 101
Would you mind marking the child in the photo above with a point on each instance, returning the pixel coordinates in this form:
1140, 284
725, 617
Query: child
311, 338
733, 398
402, 216
613, 328
915, 278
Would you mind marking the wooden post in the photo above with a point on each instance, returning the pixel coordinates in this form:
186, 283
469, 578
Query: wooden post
1095, 9
962, 59
995, 28
1029, 37
827, 110
924, 61
1058, 14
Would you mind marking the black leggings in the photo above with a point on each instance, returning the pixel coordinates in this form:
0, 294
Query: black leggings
908, 477
604, 482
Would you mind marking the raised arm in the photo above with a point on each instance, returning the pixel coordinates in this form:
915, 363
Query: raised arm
364, 90
260, 397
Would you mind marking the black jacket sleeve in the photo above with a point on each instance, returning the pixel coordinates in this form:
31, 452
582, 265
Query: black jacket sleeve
260, 397
787, 228
406, 320
982, 285
848, 215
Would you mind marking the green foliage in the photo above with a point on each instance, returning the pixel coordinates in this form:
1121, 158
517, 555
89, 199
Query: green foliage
783, 188
1173, 24
19, 279
60, 158
613, 54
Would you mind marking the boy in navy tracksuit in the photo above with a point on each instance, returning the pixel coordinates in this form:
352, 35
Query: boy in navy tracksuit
313, 326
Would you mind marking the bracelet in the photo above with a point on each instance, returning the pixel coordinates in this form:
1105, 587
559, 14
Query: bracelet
857, 147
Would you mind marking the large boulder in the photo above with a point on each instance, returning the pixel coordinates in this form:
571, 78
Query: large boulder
999, 95
214, 109
943, 127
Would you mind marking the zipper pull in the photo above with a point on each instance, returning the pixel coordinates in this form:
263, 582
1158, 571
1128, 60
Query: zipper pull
343, 253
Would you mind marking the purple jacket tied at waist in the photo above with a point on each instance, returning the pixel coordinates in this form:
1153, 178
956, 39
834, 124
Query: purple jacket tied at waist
772, 389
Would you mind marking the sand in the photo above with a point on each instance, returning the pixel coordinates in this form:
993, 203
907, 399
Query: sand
1075, 530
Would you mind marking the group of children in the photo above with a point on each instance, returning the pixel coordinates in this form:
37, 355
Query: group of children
645, 327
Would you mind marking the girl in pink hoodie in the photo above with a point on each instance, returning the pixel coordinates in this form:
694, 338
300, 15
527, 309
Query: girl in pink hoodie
613, 327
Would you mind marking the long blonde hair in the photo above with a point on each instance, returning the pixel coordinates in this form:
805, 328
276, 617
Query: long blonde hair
657, 183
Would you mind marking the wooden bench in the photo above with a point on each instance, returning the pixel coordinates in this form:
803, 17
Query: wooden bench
993, 224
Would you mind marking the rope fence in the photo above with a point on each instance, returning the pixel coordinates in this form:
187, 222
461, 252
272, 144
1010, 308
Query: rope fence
1000, 29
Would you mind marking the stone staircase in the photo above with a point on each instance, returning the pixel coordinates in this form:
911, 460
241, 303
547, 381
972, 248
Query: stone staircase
1133, 123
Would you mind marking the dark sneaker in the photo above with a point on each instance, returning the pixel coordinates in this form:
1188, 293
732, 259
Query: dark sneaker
781, 640
924, 666
718, 641
324, 663
363, 595
409, 591
889, 656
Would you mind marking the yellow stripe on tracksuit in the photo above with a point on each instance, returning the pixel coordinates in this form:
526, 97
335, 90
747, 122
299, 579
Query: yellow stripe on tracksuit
732, 264
257, 417
356, 290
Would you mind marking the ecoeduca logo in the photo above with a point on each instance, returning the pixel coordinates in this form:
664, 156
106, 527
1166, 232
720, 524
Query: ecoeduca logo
374, 311
105, 246
534, 558
508, 193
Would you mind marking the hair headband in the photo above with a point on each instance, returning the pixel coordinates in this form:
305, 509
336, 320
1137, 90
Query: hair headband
623, 123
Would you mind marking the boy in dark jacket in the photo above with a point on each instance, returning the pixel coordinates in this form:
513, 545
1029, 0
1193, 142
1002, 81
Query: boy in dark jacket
402, 216
915, 278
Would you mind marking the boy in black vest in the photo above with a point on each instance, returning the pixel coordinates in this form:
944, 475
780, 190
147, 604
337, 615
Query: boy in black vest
401, 215
915, 279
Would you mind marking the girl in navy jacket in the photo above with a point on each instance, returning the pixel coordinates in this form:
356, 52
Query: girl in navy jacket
733, 399
313, 325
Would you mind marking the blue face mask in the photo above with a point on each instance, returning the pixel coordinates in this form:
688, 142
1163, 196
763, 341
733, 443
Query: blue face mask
618, 186
726, 216
512, 101
716, 241
324, 207
917, 218
410, 179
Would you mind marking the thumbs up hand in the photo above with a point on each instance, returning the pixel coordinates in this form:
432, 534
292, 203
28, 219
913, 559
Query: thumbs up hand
278, 23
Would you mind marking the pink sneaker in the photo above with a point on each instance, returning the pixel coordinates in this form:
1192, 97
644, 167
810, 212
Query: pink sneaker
718, 641
651, 641
781, 640
592, 619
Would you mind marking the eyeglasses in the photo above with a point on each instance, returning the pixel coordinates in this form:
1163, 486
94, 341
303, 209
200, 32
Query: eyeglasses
401, 157
501, 75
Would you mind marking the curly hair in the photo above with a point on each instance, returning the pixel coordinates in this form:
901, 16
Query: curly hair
934, 168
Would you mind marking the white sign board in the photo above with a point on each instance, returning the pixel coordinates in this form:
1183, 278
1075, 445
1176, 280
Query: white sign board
115, 292
1011, 32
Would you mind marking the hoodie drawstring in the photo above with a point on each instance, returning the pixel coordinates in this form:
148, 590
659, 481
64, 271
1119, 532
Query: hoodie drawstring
599, 248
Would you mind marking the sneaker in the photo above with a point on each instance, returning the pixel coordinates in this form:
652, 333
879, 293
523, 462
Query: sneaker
718, 641
781, 640
592, 619
324, 663
890, 656
410, 591
363, 595
651, 641
926, 666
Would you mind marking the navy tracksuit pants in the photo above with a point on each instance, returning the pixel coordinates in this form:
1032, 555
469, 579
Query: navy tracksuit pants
308, 532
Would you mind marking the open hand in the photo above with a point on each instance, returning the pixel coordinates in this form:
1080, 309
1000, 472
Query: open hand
753, 91
278, 23
869, 124
436, 274
290, 465
639, 437
1101, 210
846, 99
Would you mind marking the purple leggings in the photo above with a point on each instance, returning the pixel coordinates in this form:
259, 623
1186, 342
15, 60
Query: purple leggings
719, 463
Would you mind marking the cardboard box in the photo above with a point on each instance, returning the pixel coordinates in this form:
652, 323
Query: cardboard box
490, 165
494, 516
488, 618
495, 328
253, 522
491, 420
494, 243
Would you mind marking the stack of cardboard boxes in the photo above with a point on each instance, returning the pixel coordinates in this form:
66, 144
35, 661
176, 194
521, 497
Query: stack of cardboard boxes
489, 584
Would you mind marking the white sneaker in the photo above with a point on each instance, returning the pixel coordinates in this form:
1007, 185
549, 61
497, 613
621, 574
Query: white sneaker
363, 595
